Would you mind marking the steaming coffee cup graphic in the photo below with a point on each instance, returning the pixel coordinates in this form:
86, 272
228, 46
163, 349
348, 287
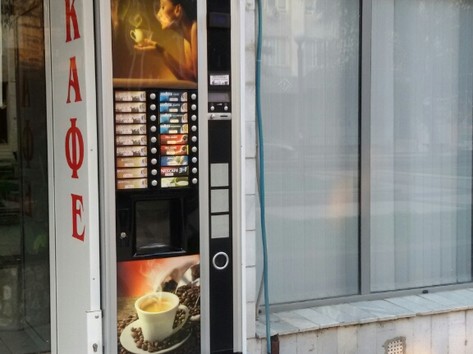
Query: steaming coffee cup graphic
141, 37
157, 312
137, 35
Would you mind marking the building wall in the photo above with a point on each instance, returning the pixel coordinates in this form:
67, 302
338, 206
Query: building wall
449, 333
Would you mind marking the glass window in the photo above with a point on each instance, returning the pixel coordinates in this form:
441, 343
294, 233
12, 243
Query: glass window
417, 172
281, 5
277, 52
421, 136
311, 147
24, 228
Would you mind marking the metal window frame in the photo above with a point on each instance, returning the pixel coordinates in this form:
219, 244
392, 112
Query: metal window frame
365, 147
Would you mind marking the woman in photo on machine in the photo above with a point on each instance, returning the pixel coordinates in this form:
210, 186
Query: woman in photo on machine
181, 17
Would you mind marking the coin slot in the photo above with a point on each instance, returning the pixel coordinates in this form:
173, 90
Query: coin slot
220, 261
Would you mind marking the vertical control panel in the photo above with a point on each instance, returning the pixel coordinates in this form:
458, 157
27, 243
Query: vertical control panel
220, 175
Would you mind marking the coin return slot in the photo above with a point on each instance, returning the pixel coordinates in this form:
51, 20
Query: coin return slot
220, 261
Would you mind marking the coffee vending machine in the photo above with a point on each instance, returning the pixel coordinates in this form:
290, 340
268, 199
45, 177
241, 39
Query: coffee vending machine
171, 131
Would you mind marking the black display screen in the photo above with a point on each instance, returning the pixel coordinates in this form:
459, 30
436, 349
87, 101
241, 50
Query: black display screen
219, 97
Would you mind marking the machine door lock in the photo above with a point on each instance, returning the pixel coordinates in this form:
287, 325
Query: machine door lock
220, 260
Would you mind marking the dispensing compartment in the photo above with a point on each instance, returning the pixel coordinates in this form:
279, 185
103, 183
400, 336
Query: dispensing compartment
157, 227
149, 226
156, 224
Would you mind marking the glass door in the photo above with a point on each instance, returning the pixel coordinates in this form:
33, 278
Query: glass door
24, 218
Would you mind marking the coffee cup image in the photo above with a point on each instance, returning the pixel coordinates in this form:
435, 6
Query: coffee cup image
156, 313
137, 35
142, 39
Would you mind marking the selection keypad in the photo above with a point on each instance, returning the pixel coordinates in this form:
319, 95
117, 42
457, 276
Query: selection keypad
156, 138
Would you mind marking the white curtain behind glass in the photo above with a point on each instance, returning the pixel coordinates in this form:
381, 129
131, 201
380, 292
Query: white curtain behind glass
310, 106
421, 155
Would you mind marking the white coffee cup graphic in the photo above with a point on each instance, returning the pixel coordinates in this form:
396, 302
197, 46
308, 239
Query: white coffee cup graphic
137, 35
156, 313
140, 36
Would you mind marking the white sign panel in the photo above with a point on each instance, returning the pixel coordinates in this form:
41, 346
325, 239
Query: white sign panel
76, 177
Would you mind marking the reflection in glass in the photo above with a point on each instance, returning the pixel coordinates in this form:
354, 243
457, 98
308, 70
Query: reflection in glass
422, 89
310, 106
24, 227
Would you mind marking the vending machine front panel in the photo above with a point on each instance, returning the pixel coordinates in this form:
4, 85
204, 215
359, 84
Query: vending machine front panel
174, 194
156, 147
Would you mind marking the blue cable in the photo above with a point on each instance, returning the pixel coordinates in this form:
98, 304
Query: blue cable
261, 174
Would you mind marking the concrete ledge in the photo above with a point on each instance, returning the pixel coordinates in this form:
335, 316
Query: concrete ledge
364, 312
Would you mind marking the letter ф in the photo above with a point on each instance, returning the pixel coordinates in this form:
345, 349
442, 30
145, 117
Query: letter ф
74, 146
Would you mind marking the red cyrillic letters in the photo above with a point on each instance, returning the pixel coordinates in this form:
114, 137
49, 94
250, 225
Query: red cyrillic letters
73, 81
74, 148
71, 19
74, 141
77, 209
